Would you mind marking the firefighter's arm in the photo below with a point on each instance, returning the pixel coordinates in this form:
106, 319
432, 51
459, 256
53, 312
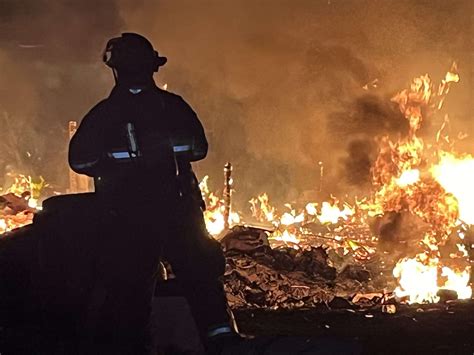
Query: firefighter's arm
86, 149
192, 139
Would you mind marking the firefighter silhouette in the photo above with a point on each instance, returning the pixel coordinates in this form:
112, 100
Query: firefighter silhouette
98, 277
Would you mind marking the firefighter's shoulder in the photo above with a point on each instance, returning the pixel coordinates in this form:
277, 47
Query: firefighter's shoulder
172, 99
98, 109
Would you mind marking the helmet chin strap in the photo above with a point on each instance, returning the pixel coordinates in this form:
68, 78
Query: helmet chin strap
141, 81
114, 71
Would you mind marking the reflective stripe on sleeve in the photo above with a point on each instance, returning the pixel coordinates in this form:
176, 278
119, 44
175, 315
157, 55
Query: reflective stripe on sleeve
181, 148
120, 155
80, 166
225, 329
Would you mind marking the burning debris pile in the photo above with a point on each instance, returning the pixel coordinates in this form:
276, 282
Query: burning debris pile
421, 210
19, 202
261, 276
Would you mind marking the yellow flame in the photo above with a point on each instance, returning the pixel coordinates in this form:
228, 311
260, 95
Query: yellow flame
311, 209
458, 281
289, 219
3, 226
214, 213
417, 280
286, 237
408, 177
331, 213
456, 176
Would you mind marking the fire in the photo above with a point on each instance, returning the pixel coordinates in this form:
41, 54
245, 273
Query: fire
332, 213
24, 194
456, 176
214, 212
286, 237
418, 280
440, 192
408, 177
288, 219
458, 281
261, 208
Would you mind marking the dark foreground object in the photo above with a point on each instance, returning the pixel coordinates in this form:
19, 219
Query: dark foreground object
435, 329
426, 329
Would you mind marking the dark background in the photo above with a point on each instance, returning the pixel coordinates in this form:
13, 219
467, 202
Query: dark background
276, 83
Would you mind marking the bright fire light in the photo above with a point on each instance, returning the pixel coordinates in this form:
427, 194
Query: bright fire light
456, 175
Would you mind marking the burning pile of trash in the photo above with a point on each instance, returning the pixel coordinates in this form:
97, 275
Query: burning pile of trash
19, 202
421, 209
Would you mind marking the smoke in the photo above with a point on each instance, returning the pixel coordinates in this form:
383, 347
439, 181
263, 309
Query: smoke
278, 84
49, 52
359, 124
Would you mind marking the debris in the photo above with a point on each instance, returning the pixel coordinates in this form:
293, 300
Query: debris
355, 272
339, 303
258, 276
447, 295
389, 308
367, 296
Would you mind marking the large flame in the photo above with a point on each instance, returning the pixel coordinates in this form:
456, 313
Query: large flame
440, 192
456, 176
418, 280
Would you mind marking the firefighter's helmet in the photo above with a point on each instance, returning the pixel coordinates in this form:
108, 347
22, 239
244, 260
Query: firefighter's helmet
132, 51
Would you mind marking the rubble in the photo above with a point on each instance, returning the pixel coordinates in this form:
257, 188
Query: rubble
258, 276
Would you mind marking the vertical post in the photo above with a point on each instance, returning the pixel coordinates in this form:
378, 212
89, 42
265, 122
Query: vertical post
321, 175
72, 128
227, 193
77, 183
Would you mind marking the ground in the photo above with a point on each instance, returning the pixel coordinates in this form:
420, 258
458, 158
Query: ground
435, 329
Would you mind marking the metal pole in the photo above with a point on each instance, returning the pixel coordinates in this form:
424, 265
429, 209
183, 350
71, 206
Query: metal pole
72, 128
321, 175
227, 193
77, 183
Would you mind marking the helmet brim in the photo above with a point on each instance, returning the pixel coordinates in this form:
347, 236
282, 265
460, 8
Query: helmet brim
160, 61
